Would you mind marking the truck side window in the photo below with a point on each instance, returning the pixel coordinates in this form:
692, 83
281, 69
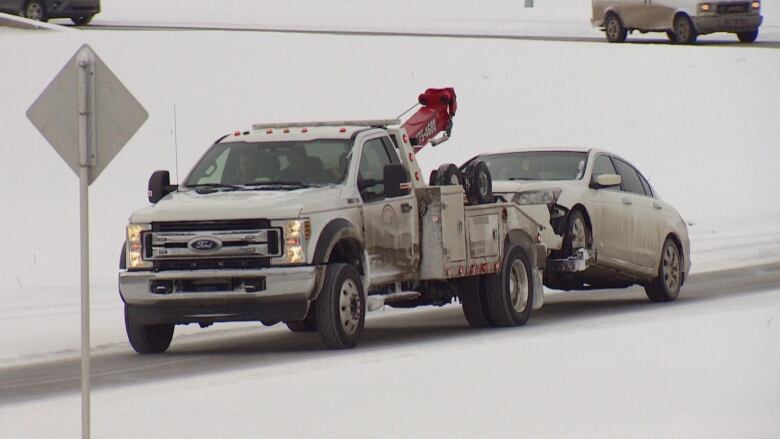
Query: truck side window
391, 150
372, 168
631, 182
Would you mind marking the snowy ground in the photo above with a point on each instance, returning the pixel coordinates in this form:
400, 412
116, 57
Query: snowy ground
699, 121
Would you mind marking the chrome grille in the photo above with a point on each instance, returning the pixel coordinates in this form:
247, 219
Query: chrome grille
733, 8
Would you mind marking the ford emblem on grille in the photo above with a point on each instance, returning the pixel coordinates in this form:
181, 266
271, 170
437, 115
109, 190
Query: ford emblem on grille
204, 244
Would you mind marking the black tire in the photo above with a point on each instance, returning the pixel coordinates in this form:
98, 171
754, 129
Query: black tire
577, 234
35, 10
472, 293
672, 37
478, 183
448, 174
684, 31
81, 21
666, 286
308, 324
510, 292
341, 307
747, 37
432, 178
613, 29
147, 339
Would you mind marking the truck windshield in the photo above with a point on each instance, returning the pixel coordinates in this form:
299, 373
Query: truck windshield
536, 165
239, 164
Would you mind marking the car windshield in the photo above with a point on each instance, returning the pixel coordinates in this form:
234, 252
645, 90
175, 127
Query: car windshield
239, 165
536, 165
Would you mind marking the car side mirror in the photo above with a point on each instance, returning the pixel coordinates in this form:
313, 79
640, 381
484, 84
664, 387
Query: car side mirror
160, 186
606, 180
396, 180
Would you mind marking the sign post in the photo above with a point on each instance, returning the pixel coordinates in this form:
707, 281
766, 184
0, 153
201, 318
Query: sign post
87, 115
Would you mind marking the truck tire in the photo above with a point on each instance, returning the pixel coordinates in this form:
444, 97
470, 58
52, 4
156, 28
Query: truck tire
747, 37
666, 286
341, 307
613, 29
448, 174
478, 182
472, 293
510, 292
147, 339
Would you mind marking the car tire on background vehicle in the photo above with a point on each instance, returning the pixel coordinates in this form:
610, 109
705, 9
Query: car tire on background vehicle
672, 37
341, 307
448, 174
472, 293
684, 31
577, 234
35, 10
478, 183
147, 339
666, 287
613, 28
747, 37
82, 21
510, 292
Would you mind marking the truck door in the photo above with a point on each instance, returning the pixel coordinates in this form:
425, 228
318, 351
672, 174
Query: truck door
390, 225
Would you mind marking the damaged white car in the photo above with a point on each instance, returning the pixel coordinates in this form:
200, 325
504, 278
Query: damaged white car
608, 214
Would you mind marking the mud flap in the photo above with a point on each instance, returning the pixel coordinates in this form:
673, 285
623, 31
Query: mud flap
538, 270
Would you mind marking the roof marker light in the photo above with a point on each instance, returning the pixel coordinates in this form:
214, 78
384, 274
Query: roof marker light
269, 131
342, 130
286, 130
417, 175
304, 130
406, 138
411, 156
237, 133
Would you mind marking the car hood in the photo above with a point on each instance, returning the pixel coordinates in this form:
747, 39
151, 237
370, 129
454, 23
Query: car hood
224, 205
506, 186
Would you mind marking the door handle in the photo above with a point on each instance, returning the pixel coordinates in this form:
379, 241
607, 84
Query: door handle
657, 206
626, 201
406, 207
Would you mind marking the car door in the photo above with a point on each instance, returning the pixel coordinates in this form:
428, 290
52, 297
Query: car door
646, 219
612, 221
633, 13
390, 226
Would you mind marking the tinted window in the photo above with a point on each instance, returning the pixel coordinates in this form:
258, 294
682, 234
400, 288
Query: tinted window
603, 165
372, 167
536, 165
391, 150
628, 174
646, 185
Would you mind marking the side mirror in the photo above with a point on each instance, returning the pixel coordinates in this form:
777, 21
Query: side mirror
396, 180
606, 180
160, 186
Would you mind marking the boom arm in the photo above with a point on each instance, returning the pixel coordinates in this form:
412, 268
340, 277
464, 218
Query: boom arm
435, 116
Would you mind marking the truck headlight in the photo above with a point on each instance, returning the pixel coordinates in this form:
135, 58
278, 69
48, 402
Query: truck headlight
756, 5
542, 196
705, 7
296, 235
134, 251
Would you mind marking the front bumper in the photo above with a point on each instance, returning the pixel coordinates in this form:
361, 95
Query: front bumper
727, 23
285, 294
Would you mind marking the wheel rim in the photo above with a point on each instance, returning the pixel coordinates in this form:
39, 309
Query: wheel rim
34, 11
482, 184
683, 30
454, 179
612, 29
350, 307
518, 286
671, 268
578, 235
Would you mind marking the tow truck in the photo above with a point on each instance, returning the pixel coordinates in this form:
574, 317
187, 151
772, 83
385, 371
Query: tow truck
314, 224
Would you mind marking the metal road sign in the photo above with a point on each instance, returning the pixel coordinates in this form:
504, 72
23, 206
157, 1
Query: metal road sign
114, 117
87, 115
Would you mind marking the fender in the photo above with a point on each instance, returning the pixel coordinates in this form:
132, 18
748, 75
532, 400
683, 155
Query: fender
331, 234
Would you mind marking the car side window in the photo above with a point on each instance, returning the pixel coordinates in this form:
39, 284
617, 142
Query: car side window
372, 168
646, 185
603, 165
630, 177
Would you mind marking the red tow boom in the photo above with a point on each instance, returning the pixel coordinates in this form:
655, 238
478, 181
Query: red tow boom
435, 116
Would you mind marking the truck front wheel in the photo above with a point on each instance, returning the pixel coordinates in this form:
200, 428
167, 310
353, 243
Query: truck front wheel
341, 307
147, 339
510, 292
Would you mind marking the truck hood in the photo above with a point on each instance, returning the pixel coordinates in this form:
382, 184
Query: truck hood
226, 205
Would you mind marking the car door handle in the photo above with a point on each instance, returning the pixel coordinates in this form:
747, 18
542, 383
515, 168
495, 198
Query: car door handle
657, 206
406, 207
626, 201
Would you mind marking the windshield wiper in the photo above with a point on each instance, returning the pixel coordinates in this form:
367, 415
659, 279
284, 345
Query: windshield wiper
213, 187
281, 184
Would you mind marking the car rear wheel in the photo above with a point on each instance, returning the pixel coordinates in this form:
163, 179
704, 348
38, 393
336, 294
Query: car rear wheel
747, 37
614, 29
35, 10
81, 21
684, 31
666, 286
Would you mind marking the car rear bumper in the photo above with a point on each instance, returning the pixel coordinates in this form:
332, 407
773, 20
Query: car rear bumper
727, 23
207, 296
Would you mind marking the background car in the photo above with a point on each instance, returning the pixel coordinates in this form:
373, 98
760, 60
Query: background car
600, 202
79, 11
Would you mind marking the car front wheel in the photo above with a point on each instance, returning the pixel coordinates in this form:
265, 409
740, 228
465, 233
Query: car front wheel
35, 10
666, 286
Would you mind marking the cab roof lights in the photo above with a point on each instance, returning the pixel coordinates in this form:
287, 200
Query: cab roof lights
338, 123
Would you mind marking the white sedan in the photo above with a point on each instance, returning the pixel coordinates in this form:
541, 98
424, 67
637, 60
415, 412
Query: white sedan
599, 202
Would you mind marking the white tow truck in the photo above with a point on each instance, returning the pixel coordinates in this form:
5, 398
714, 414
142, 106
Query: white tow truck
315, 224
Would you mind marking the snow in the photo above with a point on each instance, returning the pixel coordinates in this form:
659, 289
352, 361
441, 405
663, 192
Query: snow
700, 122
